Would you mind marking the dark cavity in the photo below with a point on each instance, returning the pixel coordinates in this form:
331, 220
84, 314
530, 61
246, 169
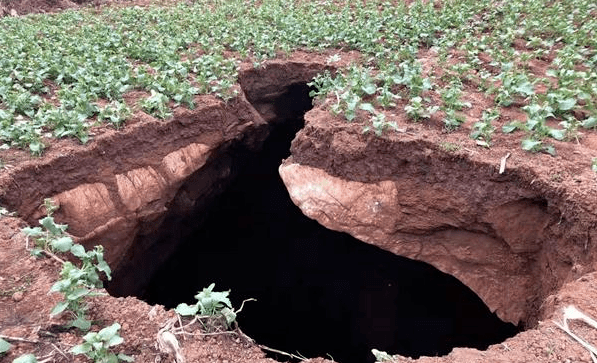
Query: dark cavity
319, 293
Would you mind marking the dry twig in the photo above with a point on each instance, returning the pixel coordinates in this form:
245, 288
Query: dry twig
572, 313
503, 163
290, 355
17, 339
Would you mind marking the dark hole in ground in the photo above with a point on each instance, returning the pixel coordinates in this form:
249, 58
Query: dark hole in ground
319, 292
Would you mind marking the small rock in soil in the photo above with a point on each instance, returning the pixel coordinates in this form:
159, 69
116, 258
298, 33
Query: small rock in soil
17, 296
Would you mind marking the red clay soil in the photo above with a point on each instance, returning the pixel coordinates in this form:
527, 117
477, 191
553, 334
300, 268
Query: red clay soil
25, 280
565, 182
23, 7
25, 305
460, 180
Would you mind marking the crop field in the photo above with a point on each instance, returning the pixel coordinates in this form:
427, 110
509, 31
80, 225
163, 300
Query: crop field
62, 74
519, 73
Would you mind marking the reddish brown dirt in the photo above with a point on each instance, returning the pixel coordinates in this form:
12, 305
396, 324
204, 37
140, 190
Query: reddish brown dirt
566, 182
25, 280
25, 306
23, 7
453, 161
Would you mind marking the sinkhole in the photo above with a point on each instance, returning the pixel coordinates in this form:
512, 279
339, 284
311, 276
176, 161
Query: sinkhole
319, 293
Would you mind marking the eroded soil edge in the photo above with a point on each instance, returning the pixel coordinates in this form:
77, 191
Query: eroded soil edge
509, 237
514, 238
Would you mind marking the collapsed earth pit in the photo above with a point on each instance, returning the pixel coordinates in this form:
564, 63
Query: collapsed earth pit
207, 204
319, 292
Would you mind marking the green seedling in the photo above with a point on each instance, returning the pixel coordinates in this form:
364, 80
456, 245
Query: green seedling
416, 110
97, 346
589, 122
381, 356
76, 283
537, 128
534, 146
26, 358
4, 346
451, 97
410, 74
570, 126
453, 119
483, 130
51, 236
210, 304
513, 85
213, 309
115, 113
379, 124
452, 103
157, 105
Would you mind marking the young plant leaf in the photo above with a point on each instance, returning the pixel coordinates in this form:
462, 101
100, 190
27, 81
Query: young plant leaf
81, 349
104, 267
78, 251
77, 293
530, 145
33, 232
49, 224
369, 88
550, 149
525, 88
81, 323
508, 128
590, 122
26, 358
186, 310
62, 244
108, 332
367, 107
37, 252
566, 104
229, 314
60, 307
4, 346
557, 134
115, 340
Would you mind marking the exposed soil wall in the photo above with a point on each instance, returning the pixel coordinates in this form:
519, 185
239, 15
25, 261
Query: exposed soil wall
118, 190
121, 184
511, 237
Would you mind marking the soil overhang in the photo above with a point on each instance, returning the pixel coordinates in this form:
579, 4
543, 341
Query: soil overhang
514, 237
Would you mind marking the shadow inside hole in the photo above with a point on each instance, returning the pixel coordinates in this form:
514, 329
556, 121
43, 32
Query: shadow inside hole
319, 292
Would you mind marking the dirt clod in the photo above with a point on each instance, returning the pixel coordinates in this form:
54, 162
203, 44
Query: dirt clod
17, 296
